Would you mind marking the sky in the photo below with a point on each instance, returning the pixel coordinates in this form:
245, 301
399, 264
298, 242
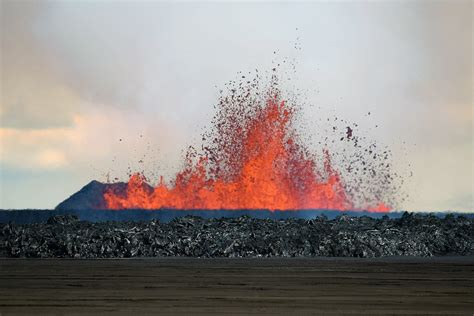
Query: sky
89, 88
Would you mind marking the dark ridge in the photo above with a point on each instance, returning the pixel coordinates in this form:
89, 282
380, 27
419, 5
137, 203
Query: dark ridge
91, 196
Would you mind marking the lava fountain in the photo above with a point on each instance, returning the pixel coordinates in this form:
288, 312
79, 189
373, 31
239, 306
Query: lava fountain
251, 159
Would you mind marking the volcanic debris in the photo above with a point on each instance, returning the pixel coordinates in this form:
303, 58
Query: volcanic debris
345, 236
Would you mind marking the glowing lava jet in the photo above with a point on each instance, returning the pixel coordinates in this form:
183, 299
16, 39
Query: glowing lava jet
254, 161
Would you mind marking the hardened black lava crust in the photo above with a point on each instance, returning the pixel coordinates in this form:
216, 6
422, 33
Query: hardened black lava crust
344, 236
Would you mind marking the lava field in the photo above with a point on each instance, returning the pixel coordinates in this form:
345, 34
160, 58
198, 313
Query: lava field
344, 236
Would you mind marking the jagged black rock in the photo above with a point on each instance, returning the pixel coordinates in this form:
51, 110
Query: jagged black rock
345, 236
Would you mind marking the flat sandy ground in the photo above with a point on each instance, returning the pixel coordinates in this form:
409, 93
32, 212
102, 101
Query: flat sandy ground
238, 286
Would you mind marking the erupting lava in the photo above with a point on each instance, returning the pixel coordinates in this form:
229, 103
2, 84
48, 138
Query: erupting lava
254, 161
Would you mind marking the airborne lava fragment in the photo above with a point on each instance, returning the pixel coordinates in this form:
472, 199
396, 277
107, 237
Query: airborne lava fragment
254, 159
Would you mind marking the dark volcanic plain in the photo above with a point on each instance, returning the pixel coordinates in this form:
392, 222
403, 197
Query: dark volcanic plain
188, 286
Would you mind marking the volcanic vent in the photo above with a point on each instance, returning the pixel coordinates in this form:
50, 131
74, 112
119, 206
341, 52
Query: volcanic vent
251, 158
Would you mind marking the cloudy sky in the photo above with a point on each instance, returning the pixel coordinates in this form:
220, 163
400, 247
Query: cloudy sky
90, 87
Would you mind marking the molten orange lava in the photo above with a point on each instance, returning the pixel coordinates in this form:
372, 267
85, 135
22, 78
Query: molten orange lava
259, 165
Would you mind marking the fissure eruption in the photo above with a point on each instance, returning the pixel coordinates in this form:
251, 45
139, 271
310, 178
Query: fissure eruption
252, 158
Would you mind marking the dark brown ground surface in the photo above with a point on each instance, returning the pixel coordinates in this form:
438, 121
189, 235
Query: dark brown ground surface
238, 286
